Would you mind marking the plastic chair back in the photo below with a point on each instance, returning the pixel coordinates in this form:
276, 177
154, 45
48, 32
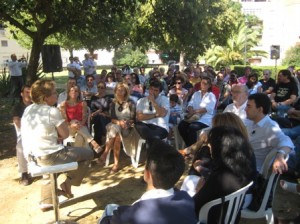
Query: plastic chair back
235, 201
264, 210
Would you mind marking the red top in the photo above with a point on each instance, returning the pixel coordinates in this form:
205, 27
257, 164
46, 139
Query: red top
74, 112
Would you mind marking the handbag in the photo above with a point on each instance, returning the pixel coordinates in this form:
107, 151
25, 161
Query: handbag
194, 117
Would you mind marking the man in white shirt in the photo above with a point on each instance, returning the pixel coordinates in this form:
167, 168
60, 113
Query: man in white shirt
265, 135
153, 114
240, 97
15, 70
88, 65
73, 68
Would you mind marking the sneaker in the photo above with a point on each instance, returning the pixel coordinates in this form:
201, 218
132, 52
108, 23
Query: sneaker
46, 207
25, 179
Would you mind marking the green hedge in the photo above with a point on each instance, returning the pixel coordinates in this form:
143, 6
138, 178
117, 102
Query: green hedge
258, 69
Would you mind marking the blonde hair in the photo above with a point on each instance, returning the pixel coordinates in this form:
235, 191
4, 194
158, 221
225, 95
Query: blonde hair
226, 119
41, 89
229, 119
121, 85
101, 84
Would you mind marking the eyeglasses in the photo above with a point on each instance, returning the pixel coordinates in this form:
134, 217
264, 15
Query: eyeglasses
150, 106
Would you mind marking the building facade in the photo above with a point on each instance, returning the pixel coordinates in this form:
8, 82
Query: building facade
281, 24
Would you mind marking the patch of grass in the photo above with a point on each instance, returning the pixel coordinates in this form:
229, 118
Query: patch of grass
5, 106
4, 84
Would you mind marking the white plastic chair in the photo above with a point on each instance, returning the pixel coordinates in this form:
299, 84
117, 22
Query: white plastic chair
234, 200
263, 210
134, 158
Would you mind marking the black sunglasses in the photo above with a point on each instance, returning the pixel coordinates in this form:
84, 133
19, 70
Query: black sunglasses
120, 108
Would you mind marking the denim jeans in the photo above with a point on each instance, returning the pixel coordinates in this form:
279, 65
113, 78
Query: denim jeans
282, 110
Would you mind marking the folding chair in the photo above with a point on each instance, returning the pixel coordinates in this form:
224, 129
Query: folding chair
235, 201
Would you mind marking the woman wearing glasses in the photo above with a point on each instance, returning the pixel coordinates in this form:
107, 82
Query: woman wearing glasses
181, 92
100, 117
122, 113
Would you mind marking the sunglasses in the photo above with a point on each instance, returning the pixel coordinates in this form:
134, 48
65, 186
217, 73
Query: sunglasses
120, 108
150, 106
101, 87
178, 82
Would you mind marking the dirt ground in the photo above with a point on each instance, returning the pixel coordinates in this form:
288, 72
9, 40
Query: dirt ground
20, 204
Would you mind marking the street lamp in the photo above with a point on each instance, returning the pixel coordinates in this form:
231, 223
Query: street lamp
245, 49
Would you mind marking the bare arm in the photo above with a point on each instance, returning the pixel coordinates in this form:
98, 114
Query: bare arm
143, 117
84, 113
279, 164
17, 121
63, 130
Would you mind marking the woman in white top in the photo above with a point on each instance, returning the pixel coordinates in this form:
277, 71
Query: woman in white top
253, 84
200, 112
43, 129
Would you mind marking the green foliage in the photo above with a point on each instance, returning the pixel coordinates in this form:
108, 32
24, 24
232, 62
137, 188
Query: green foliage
76, 20
4, 84
292, 56
259, 70
188, 27
127, 55
243, 40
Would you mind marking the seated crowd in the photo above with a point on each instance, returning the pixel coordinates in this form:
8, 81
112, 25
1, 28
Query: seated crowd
240, 121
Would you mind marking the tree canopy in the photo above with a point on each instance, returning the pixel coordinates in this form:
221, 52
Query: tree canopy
239, 47
187, 27
126, 55
292, 56
39, 19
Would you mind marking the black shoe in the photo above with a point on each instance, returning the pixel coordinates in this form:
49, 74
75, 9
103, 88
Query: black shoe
25, 179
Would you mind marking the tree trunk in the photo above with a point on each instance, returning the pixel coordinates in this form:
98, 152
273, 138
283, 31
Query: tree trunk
181, 60
32, 70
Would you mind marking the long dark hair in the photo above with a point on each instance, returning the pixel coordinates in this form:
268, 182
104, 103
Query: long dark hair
231, 150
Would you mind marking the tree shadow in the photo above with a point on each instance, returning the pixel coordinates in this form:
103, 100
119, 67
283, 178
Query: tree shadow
106, 196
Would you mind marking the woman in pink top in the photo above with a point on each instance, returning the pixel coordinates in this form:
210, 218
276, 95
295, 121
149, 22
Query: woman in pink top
74, 111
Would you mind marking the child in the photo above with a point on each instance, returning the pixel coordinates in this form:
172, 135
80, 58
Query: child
175, 109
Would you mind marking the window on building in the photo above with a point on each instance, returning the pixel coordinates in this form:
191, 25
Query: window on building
4, 43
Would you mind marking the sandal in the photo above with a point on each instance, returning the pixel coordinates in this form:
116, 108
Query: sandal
184, 154
63, 193
114, 169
